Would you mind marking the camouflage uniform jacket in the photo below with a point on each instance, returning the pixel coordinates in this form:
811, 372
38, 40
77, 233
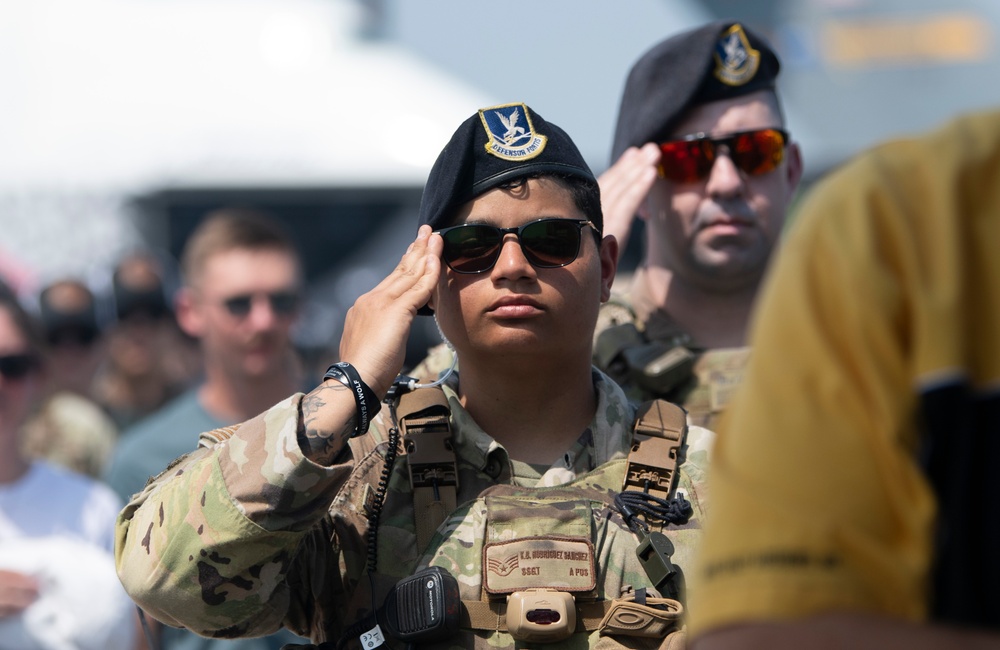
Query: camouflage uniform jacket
708, 381
245, 534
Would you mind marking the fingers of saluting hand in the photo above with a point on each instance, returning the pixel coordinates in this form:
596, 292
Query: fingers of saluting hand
411, 283
624, 186
377, 326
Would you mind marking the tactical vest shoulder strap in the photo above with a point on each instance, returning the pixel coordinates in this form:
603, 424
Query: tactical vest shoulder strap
425, 423
424, 418
657, 438
657, 443
616, 330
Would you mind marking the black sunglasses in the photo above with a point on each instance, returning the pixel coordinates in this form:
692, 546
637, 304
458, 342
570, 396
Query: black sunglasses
546, 243
17, 366
283, 303
72, 335
753, 152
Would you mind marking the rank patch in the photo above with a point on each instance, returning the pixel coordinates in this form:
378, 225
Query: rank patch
511, 134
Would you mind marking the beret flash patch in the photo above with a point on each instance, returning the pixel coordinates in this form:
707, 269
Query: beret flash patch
736, 62
511, 134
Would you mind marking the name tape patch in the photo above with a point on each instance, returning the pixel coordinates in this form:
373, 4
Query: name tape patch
539, 563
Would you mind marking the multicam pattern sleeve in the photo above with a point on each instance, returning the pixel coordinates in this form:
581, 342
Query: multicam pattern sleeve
210, 543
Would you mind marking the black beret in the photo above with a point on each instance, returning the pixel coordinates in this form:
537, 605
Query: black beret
496, 145
720, 60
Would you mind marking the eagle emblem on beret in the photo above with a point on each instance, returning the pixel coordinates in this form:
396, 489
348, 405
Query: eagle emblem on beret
510, 133
736, 62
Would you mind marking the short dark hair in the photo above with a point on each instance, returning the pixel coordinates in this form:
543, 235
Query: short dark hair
586, 195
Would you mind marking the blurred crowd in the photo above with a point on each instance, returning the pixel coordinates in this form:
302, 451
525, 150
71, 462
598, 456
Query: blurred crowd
103, 385
111, 359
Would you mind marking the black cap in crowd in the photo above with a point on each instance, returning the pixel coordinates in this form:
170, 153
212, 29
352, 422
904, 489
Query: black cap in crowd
68, 318
496, 145
130, 301
720, 60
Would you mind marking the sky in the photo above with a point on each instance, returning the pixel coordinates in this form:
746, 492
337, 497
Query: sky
107, 100
567, 59
854, 72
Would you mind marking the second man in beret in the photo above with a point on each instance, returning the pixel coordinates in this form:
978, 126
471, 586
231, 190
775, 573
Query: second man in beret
703, 157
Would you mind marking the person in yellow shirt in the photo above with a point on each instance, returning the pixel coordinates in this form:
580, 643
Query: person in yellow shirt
853, 499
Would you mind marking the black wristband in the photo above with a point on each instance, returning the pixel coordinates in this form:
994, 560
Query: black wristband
364, 397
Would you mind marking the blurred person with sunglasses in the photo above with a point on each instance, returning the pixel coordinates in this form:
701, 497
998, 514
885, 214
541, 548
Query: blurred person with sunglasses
305, 516
242, 278
70, 427
58, 588
704, 159
149, 360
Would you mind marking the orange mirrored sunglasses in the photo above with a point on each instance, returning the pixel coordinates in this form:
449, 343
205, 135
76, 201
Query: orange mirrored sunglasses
753, 152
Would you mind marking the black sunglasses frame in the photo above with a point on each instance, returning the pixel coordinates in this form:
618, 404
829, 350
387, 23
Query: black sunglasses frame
748, 162
526, 248
14, 367
283, 303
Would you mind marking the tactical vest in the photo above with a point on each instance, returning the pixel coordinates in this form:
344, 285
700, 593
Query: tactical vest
504, 542
666, 365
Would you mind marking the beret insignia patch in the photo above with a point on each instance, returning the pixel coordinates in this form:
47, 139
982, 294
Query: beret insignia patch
511, 134
736, 62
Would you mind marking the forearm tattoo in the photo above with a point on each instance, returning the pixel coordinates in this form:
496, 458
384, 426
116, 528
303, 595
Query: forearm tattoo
319, 441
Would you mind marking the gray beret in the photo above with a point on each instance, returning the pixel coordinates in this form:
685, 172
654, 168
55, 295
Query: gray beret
720, 60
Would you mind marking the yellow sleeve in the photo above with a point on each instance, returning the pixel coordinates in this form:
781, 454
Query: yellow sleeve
817, 503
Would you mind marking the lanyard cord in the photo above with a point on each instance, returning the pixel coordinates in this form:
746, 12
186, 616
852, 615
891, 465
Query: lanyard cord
402, 384
150, 641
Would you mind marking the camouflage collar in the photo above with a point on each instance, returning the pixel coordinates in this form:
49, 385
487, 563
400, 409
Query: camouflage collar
609, 440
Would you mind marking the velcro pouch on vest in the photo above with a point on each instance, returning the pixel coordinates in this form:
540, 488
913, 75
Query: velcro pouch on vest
538, 544
659, 432
654, 619
659, 368
424, 421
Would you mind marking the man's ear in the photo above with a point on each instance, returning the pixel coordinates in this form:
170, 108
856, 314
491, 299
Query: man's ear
188, 310
793, 167
609, 265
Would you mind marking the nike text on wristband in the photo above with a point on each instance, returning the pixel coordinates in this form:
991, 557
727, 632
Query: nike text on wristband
364, 397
